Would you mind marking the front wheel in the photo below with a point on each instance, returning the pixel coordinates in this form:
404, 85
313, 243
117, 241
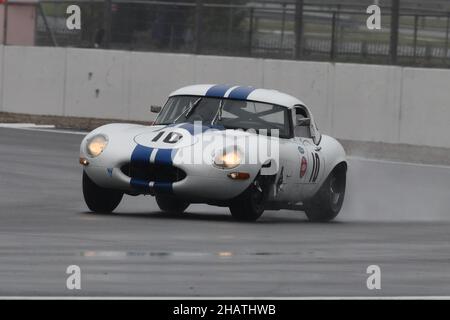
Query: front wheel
327, 202
171, 204
249, 206
100, 199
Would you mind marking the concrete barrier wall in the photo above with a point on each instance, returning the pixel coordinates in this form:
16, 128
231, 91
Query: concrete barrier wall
350, 101
309, 81
425, 107
366, 102
97, 84
33, 80
153, 77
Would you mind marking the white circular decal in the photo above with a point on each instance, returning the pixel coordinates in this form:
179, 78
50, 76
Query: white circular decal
166, 138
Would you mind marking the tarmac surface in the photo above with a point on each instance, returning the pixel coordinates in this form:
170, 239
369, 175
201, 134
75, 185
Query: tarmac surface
395, 215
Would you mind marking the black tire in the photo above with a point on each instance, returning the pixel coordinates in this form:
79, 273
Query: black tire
249, 206
171, 204
327, 202
100, 199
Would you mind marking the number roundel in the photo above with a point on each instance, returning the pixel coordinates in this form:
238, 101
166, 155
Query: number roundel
166, 138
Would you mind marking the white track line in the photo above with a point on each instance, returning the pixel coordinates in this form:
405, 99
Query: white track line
82, 133
25, 125
35, 127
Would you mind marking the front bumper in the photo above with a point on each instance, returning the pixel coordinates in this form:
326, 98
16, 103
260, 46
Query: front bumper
218, 186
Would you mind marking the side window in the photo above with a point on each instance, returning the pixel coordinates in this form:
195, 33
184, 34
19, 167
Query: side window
302, 123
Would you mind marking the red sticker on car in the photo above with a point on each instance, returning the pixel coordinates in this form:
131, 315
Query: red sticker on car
303, 167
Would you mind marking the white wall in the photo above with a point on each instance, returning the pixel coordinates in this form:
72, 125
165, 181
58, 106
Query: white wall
425, 107
153, 77
229, 70
350, 101
366, 103
33, 80
308, 81
96, 84
2, 49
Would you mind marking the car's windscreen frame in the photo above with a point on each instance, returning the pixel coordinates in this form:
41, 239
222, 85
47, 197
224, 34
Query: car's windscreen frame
165, 118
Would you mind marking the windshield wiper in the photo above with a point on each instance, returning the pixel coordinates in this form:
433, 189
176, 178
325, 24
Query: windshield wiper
218, 115
193, 106
189, 110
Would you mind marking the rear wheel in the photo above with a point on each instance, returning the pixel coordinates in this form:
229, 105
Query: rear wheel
249, 206
327, 202
100, 199
171, 204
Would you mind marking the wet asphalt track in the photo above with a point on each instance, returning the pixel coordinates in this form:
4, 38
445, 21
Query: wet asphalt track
396, 216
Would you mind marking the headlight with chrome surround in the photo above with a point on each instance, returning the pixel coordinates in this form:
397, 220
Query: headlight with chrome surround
228, 158
96, 145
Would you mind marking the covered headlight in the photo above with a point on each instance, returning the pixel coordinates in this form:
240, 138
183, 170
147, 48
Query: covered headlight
96, 145
228, 159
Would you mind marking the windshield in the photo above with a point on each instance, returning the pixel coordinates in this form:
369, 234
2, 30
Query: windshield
232, 114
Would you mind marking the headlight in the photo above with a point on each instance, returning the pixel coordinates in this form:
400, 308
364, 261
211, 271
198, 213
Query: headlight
96, 145
228, 159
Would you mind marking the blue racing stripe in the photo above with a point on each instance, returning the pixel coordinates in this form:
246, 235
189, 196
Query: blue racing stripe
217, 91
241, 93
163, 187
140, 184
164, 156
141, 155
194, 128
189, 127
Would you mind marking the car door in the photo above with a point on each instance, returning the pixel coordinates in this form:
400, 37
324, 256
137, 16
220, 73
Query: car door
311, 162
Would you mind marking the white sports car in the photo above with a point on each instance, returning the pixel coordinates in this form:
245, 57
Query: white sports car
245, 148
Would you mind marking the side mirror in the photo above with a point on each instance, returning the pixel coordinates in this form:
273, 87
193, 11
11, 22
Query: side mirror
155, 109
303, 122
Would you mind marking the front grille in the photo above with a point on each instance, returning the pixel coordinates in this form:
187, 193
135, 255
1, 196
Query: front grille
154, 172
